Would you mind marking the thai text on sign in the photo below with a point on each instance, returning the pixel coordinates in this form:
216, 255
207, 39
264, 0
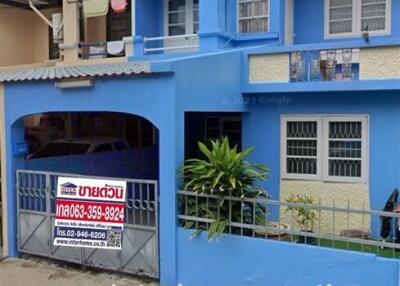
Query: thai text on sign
89, 213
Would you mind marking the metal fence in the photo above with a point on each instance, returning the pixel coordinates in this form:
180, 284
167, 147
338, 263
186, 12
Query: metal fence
334, 227
36, 196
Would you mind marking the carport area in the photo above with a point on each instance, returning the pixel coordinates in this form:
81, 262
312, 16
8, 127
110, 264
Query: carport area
88, 145
120, 128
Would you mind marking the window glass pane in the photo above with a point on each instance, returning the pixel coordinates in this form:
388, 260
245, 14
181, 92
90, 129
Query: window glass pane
345, 130
373, 15
176, 30
253, 16
176, 18
345, 168
195, 16
340, 16
301, 147
174, 5
301, 166
345, 149
345, 141
302, 129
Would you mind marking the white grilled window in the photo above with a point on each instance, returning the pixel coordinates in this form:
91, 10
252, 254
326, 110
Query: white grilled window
182, 17
253, 16
301, 147
373, 15
340, 16
353, 17
329, 148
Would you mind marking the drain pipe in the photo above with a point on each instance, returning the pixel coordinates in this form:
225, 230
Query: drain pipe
36, 10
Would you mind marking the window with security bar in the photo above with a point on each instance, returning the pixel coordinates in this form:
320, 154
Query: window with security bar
354, 17
329, 148
253, 16
301, 147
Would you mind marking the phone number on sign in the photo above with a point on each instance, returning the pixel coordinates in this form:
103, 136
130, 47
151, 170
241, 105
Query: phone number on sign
90, 211
80, 233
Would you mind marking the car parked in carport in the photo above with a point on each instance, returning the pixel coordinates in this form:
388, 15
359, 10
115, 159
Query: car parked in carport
80, 145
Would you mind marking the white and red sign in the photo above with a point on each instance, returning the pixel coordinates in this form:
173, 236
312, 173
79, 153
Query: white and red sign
89, 213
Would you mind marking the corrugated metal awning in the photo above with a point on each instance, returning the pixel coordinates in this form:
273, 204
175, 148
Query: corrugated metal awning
77, 71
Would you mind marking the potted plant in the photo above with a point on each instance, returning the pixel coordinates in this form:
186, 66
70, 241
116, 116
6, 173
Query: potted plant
224, 172
305, 217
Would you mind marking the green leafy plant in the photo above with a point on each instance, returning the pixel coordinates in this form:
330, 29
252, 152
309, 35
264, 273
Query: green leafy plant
305, 216
224, 172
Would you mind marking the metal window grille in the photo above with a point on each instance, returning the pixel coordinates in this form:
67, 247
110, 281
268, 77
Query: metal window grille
301, 147
253, 16
345, 149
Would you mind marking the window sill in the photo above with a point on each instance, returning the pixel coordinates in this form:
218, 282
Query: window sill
240, 37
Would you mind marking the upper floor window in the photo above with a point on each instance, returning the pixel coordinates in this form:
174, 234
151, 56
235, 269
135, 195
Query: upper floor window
253, 16
182, 17
353, 17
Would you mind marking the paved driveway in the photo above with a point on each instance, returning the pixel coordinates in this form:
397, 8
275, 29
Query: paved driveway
32, 272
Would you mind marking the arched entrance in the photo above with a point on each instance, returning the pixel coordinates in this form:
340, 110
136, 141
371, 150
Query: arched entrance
97, 145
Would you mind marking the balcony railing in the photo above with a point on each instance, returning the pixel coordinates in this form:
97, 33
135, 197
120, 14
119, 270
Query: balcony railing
325, 65
334, 226
169, 44
101, 50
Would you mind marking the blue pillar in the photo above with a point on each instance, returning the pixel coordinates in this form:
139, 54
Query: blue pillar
212, 24
14, 135
168, 205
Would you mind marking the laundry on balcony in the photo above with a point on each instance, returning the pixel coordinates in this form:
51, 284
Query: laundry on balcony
115, 48
119, 6
95, 8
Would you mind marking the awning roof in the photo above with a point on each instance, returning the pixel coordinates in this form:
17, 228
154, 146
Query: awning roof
77, 71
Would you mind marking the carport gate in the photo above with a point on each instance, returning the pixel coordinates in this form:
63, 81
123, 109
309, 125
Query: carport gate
36, 194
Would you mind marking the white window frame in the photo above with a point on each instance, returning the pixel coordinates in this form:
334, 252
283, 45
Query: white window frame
323, 147
356, 21
189, 19
284, 121
238, 18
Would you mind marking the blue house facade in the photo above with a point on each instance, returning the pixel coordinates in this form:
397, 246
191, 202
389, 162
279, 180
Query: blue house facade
313, 85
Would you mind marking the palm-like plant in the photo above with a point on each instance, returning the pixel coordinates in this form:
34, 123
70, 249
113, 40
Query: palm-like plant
224, 172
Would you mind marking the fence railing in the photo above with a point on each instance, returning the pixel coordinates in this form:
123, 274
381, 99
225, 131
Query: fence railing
334, 226
170, 43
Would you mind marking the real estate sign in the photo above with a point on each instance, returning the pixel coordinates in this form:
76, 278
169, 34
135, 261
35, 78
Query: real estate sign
89, 213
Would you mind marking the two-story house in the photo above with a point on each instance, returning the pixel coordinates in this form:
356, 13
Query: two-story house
313, 85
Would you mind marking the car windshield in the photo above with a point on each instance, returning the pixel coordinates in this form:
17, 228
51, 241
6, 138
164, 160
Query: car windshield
61, 149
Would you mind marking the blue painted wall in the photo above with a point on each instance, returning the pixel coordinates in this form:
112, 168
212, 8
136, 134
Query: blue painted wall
143, 96
235, 260
149, 18
261, 126
309, 22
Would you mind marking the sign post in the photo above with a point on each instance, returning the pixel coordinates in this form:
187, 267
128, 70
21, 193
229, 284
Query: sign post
90, 213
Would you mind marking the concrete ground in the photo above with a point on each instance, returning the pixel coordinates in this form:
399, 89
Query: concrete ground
40, 272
